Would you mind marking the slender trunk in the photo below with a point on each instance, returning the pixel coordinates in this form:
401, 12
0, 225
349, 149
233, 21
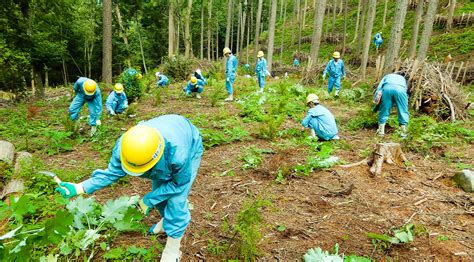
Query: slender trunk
249, 29
368, 35
242, 24
187, 31
64, 73
271, 34
356, 31
296, 10
384, 20
449, 23
317, 30
217, 39
427, 29
171, 29
39, 92
285, 3
201, 54
345, 29
239, 22
229, 20
209, 34
416, 28
46, 77
232, 32
257, 26
299, 25
361, 29
178, 34
107, 42
333, 17
304, 12
123, 33
396, 35
138, 28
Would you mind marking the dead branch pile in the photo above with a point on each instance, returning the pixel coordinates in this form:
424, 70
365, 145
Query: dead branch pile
460, 20
302, 57
311, 74
433, 91
281, 69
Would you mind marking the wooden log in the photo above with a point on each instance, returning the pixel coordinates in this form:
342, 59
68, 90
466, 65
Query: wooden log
390, 153
7, 152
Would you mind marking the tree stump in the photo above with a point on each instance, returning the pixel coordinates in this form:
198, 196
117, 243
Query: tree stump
7, 152
23, 159
390, 153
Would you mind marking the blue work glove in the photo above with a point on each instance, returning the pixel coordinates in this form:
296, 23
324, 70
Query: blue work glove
68, 190
143, 207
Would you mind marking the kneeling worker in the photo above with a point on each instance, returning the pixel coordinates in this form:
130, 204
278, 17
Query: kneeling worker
195, 86
319, 120
117, 100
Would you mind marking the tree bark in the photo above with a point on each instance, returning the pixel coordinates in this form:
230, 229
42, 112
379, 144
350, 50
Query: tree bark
333, 24
257, 27
416, 28
217, 39
359, 5
123, 33
249, 29
229, 20
427, 29
239, 23
345, 29
242, 25
304, 13
187, 31
141, 45
284, 23
368, 35
449, 23
201, 53
361, 27
317, 30
271, 34
171, 29
299, 25
107, 42
385, 6
209, 25
396, 35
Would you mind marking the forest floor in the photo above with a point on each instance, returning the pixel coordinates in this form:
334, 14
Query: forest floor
304, 212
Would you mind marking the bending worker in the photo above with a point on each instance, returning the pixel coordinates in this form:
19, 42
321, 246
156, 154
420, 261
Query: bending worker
117, 101
162, 80
195, 86
335, 69
230, 73
261, 71
167, 150
319, 120
378, 40
87, 91
392, 89
296, 62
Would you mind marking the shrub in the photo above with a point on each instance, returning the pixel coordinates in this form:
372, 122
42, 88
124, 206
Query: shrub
131, 80
177, 67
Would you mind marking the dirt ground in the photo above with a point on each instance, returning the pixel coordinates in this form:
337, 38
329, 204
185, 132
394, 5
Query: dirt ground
312, 215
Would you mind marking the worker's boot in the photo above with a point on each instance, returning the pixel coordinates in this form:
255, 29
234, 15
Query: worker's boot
171, 252
230, 98
312, 133
337, 93
381, 130
404, 132
93, 130
157, 228
198, 96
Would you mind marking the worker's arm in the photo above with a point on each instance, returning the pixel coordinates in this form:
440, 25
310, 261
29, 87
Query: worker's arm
98, 104
125, 100
326, 70
109, 101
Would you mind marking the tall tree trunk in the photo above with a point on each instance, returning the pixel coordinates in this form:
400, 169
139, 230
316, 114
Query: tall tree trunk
304, 12
171, 29
229, 23
334, 4
285, 3
46, 77
39, 92
356, 31
217, 39
249, 29
64, 73
178, 36
396, 35
427, 29
107, 42
385, 6
187, 31
123, 33
361, 28
296, 10
141, 44
416, 28
242, 24
345, 29
299, 25
239, 23
368, 35
257, 26
209, 34
449, 23
317, 31
202, 32
271, 34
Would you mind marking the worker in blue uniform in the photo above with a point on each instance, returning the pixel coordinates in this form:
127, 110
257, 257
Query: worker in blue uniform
162, 80
116, 102
165, 149
195, 86
261, 71
87, 91
296, 62
319, 120
335, 69
378, 40
230, 73
391, 90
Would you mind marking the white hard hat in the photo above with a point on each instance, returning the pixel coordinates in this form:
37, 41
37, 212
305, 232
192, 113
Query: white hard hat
312, 98
157, 74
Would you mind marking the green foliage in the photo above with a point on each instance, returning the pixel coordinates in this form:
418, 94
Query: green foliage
364, 119
403, 235
252, 157
217, 248
177, 67
318, 255
131, 80
270, 127
321, 159
59, 142
247, 227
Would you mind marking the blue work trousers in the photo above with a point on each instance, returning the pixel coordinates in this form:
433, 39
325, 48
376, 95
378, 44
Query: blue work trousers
334, 82
390, 96
76, 106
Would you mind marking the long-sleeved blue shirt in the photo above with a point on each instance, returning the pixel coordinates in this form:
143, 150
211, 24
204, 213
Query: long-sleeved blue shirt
95, 99
261, 67
334, 69
321, 120
120, 100
231, 67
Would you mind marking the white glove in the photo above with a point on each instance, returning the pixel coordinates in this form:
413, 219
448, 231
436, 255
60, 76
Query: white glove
93, 130
111, 112
227, 79
98, 122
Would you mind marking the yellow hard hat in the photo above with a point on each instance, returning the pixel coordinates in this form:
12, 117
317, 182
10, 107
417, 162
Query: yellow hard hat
118, 88
227, 51
336, 55
260, 54
194, 80
141, 148
89, 87
312, 98
139, 76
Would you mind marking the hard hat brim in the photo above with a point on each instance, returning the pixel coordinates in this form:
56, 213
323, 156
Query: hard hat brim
336, 56
139, 170
89, 93
119, 91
